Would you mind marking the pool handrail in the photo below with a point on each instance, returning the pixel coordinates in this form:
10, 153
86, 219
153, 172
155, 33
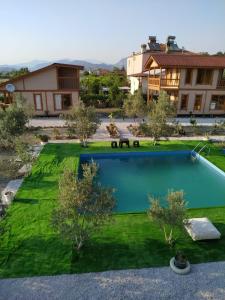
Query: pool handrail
196, 146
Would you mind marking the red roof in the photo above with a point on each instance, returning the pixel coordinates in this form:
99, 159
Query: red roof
187, 61
139, 75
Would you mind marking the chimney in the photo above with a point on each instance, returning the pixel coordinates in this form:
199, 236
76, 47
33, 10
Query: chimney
143, 48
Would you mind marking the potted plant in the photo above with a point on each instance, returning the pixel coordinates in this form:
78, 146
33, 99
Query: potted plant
179, 264
169, 218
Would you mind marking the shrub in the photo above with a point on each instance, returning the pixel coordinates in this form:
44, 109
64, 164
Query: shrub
43, 137
12, 124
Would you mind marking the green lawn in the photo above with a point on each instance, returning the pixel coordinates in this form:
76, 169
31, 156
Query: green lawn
29, 246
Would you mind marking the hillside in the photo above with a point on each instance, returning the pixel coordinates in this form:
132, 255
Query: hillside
37, 64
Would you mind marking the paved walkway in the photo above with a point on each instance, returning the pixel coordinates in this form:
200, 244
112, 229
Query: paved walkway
205, 282
56, 122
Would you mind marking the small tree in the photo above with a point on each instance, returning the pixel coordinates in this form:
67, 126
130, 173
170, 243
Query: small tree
170, 216
160, 111
135, 106
22, 103
83, 122
115, 96
84, 206
193, 122
12, 124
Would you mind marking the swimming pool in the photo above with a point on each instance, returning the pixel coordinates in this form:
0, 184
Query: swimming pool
137, 175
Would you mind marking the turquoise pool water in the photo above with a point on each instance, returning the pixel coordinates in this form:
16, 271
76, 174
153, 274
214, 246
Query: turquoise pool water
137, 175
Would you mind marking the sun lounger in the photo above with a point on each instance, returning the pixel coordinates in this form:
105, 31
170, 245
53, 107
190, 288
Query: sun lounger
201, 229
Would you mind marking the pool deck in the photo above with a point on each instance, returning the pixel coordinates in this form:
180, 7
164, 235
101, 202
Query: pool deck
205, 282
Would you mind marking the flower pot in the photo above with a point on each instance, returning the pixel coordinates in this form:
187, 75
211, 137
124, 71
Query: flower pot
180, 264
178, 267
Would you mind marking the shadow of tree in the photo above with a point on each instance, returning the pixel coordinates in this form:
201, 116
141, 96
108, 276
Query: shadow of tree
113, 255
36, 255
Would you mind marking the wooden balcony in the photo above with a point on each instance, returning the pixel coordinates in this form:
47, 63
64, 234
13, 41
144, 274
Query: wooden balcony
156, 83
221, 84
68, 83
68, 78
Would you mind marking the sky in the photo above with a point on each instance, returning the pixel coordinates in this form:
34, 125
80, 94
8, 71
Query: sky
105, 30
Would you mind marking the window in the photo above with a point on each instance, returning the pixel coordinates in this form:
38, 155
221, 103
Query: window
198, 103
184, 102
217, 102
62, 101
38, 102
188, 78
204, 76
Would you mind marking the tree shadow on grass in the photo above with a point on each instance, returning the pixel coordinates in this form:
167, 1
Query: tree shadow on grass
37, 255
97, 256
26, 201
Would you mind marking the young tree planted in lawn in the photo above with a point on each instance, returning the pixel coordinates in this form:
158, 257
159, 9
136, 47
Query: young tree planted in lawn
83, 122
171, 216
84, 205
160, 111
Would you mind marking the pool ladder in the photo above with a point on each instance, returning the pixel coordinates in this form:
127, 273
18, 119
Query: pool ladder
194, 150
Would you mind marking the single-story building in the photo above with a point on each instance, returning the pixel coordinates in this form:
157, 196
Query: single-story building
51, 90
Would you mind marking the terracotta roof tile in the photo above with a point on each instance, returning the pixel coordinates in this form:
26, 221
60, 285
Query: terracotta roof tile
188, 61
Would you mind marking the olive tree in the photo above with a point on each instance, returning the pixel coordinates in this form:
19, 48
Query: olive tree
135, 106
160, 111
170, 216
12, 124
83, 122
84, 206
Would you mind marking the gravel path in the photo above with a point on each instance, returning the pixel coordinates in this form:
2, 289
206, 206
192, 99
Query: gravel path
205, 282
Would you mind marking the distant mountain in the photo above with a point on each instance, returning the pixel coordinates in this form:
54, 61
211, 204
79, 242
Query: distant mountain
88, 64
121, 63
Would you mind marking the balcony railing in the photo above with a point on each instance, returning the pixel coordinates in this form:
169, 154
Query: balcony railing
163, 82
221, 84
154, 81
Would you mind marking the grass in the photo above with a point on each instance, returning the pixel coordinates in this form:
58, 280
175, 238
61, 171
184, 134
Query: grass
29, 246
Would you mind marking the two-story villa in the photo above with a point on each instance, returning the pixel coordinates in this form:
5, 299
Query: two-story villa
195, 82
136, 62
51, 90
